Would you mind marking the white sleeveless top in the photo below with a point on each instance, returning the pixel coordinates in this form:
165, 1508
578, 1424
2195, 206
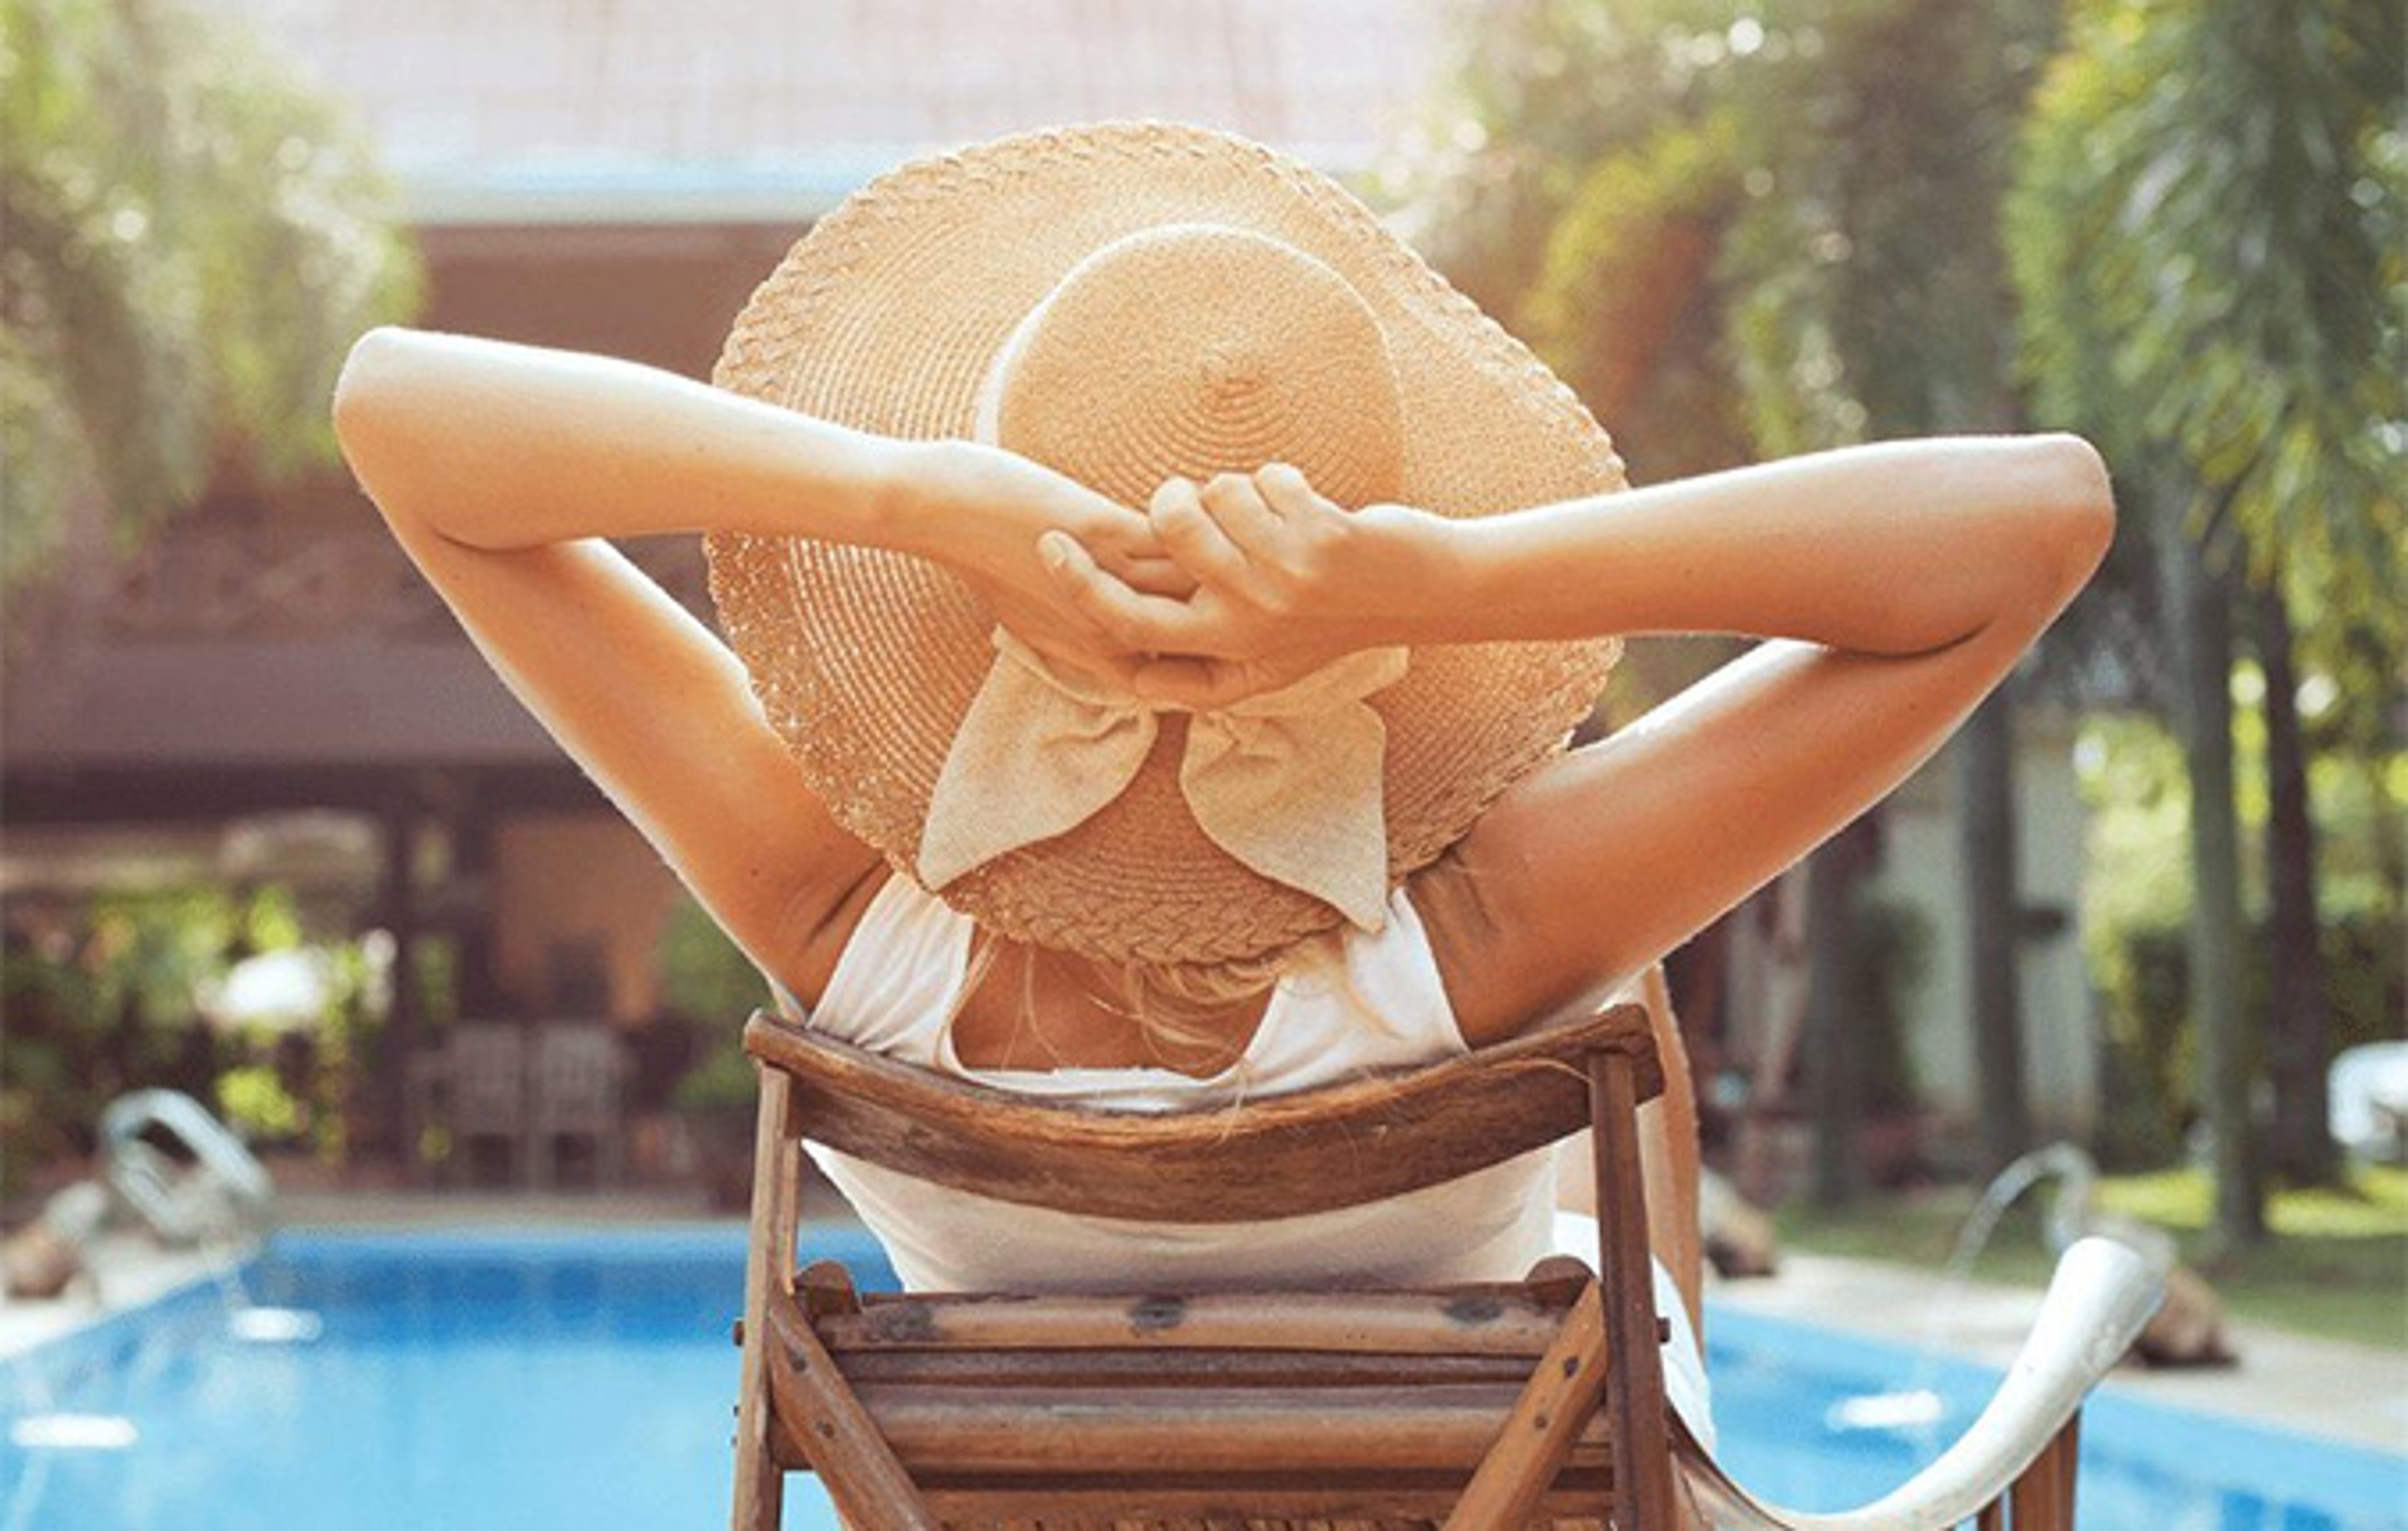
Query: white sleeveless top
1349, 1004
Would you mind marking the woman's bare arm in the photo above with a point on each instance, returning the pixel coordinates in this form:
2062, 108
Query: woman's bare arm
503, 469
1898, 584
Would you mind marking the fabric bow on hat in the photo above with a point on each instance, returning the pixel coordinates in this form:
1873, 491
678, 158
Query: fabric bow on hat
1288, 783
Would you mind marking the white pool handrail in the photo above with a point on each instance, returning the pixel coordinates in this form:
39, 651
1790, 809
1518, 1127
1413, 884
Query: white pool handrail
223, 1192
2101, 1294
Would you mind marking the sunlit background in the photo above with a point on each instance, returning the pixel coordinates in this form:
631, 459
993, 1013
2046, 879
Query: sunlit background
274, 839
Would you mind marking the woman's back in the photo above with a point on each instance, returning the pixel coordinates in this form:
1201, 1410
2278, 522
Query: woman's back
1349, 1005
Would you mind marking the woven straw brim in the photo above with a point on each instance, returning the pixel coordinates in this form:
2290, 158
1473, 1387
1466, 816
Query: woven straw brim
886, 316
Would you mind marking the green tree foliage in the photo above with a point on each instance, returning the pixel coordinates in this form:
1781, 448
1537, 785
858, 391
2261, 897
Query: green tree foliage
1746, 228
2138, 885
2206, 236
106, 998
192, 240
1740, 229
2210, 238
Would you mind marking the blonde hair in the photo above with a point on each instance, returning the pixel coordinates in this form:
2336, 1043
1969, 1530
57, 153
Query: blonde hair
1167, 1004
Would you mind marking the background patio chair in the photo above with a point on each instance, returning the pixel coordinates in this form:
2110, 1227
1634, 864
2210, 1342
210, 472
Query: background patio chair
1516, 1404
576, 1104
473, 1086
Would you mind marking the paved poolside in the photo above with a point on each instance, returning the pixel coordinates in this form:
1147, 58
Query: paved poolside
2322, 1387
2351, 1392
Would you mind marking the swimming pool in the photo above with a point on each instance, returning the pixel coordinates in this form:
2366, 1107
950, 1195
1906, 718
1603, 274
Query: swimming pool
580, 1381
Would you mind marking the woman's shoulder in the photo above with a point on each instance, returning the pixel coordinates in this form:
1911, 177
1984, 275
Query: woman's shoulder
854, 922
1481, 956
1464, 940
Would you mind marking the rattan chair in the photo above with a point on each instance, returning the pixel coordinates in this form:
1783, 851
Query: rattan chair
1536, 1402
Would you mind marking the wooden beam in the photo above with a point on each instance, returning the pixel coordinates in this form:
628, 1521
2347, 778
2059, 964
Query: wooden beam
1142, 1431
1280, 1156
1642, 1457
817, 1408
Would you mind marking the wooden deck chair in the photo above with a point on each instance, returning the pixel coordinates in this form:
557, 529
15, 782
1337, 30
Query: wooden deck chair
1538, 1403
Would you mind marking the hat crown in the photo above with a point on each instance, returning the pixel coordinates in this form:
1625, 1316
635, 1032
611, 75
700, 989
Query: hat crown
1195, 349
892, 316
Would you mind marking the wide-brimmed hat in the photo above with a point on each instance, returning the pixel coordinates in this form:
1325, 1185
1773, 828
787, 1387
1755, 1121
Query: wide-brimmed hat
1126, 302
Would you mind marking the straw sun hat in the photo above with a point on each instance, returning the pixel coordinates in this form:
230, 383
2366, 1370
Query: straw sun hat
1126, 302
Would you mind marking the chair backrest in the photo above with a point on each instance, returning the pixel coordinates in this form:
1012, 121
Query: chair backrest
1087, 1411
1283, 1156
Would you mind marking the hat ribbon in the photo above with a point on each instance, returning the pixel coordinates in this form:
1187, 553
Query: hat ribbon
1289, 781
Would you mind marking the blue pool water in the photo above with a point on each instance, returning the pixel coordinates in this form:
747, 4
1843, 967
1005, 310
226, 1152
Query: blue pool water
575, 1381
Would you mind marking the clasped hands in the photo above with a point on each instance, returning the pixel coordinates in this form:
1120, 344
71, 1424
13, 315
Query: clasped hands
1214, 592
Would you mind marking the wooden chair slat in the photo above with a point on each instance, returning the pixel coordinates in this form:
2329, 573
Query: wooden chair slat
1625, 1280
1074, 1501
2041, 1498
768, 1255
1151, 1430
1486, 1320
1284, 1156
996, 1369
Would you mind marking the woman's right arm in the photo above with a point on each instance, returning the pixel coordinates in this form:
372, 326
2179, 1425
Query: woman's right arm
1898, 584
503, 470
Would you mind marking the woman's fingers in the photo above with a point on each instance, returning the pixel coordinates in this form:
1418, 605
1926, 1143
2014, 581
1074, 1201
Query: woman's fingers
1284, 488
1132, 618
1218, 624
1118, 670
1156, 574
1192, 536
1185, 682
1124, 541
1238, 509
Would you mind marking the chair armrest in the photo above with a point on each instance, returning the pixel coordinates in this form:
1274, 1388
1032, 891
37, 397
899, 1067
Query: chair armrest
2101, 1294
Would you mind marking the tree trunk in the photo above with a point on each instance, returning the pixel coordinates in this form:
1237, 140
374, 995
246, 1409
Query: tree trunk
1833, 1081
1985, 824
2203, 610
2299, 1015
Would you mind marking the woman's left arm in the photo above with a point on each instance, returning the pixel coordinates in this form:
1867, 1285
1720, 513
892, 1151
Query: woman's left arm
1895, 584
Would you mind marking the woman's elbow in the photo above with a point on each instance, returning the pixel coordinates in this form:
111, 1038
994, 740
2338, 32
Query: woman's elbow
371, 393
377, 402
2084, 501
2071, 516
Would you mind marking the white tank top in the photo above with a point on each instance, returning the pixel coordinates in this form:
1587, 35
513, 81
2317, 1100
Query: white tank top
1351, 1002
1351, 1005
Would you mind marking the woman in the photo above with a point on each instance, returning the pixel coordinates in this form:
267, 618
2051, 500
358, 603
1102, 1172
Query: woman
1258, 781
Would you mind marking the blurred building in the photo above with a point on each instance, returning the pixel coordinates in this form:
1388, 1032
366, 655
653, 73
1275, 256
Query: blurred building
267, 689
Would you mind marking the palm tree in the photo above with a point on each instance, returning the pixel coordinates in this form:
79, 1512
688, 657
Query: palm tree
189, 241
1764, 230
2207, 231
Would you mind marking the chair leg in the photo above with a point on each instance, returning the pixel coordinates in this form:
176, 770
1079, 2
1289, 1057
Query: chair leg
1642, 1455
768, 1267
1557, 1400
2042, 1498
858, 1469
